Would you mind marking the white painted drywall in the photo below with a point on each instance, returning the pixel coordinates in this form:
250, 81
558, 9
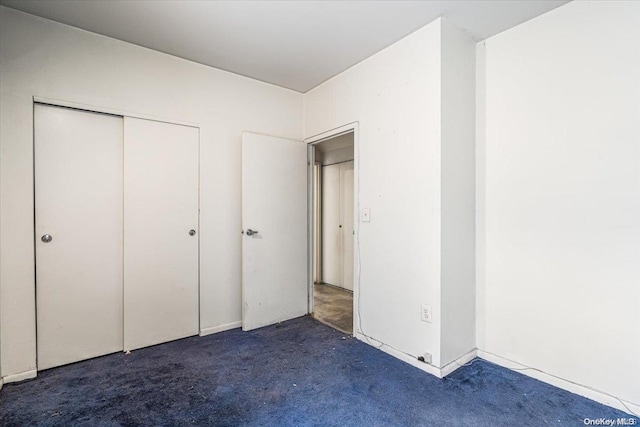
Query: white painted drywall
47, 59
341, 141
559, 195
395, 97
411, 140
238, 35
335, 150
480, 195
458, 315
338, 156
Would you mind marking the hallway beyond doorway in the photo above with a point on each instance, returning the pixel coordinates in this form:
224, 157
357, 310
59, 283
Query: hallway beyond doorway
334, 307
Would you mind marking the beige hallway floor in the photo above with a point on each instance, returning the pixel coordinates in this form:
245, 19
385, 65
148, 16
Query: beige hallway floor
333, 306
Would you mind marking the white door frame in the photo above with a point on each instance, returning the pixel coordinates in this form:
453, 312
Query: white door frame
311, 141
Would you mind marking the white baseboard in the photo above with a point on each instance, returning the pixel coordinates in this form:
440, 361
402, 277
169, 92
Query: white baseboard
14, 378
582, 390
579, 389
430, 369
465, 358
221, 328
1, 383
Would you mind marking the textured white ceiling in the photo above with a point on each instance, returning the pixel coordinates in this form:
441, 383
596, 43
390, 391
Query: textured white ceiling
294, 44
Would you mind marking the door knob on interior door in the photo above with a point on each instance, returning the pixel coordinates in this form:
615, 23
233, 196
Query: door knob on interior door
192, 232
46, 238
251, 232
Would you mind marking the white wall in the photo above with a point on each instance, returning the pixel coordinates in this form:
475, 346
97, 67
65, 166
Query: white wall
47, 59
458, 194
395, 96
559, 196
557, 169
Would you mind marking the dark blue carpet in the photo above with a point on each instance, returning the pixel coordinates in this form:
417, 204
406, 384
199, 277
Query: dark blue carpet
298, 373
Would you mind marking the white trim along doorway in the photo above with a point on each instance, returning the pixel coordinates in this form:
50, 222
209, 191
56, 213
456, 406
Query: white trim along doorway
313, 236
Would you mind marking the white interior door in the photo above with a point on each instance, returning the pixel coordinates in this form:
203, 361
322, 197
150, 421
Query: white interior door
346, 208
160, 227
331, 225
274, 205
78, 203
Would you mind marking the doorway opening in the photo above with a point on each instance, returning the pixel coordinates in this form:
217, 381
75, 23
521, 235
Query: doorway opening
333, 231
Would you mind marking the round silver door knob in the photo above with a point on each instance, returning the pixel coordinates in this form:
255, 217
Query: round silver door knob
46, 238
192, 232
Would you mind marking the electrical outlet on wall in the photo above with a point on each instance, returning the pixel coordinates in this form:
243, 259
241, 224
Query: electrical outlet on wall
425, 358
425, 313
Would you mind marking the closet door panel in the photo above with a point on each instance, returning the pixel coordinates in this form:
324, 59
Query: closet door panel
346, 208
331, 225
78, 201
161, 232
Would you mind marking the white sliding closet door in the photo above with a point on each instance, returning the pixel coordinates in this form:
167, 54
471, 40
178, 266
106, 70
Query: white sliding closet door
337, 224
78, 202
160, 227
346, 212
331, 224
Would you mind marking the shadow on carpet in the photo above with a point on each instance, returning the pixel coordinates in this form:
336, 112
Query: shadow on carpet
297, 373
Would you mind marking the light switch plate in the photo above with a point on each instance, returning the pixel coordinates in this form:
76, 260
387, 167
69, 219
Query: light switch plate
366, 215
